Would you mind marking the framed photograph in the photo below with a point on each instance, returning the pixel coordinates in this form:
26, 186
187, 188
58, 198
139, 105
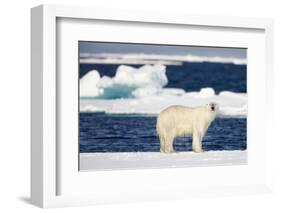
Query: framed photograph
149, 106
154, 106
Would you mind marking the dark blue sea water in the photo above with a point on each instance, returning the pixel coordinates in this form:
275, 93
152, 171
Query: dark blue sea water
135, 133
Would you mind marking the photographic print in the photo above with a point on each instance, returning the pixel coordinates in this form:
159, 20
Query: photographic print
161, 106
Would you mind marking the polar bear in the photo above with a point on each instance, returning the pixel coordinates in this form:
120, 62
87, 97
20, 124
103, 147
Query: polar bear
177, 121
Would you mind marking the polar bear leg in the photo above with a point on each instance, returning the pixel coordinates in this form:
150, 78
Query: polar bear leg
169, 145
162, 143
197, 142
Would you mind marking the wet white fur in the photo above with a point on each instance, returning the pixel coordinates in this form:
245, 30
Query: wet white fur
177, 121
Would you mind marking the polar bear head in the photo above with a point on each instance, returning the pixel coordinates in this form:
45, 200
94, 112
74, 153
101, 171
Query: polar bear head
213, 107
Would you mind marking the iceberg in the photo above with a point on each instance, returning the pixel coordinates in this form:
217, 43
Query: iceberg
127, 82
142, 91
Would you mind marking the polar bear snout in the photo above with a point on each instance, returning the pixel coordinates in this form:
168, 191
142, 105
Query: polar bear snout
212, 106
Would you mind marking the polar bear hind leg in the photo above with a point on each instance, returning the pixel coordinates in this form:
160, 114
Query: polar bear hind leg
166, 143
162, 143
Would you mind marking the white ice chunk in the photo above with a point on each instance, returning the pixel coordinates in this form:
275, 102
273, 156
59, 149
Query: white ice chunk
88, 84
127, 82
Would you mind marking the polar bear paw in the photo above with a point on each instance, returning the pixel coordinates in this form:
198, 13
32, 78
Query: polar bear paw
198, 150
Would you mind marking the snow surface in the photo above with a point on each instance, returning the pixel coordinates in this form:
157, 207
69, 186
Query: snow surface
137, 160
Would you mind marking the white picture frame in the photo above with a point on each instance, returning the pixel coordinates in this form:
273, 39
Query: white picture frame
48, 170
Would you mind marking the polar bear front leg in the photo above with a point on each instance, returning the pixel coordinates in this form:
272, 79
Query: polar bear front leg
197, 142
